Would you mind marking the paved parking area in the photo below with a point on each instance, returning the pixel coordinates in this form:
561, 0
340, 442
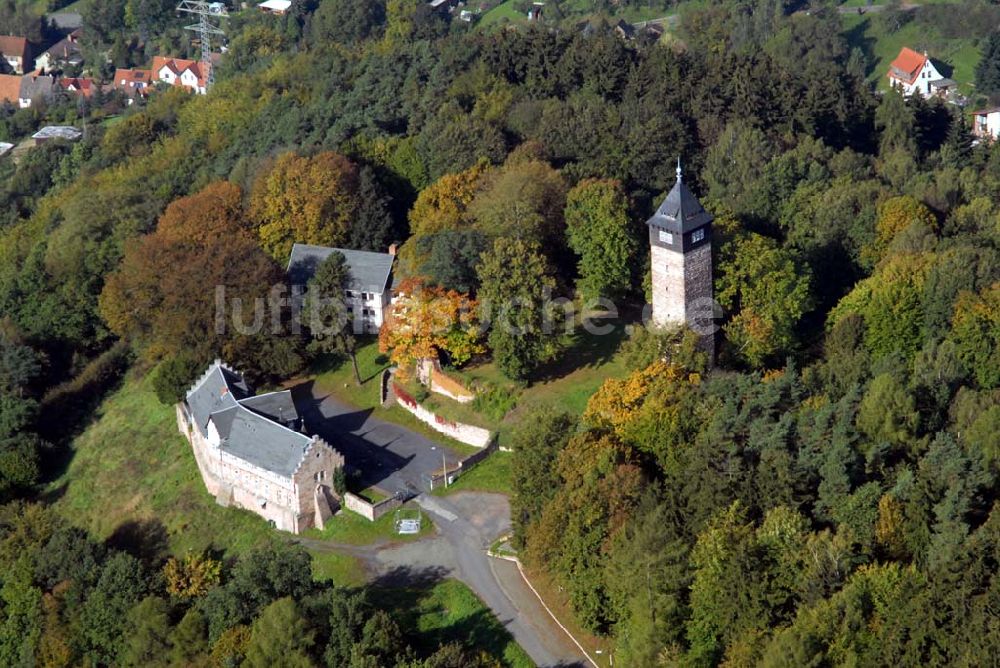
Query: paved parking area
392, 457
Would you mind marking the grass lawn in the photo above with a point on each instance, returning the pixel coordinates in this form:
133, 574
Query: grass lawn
490, 475
881, 47
347, 527
133, 474
450, 612
343, 569
505, 11
336, 376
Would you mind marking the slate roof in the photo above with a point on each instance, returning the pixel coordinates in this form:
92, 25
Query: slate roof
681, 212
261, 442
35, 87
246, 422
369, 271
219, 389
277, 406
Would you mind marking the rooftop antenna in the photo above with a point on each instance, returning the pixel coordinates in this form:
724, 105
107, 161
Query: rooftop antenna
206, 12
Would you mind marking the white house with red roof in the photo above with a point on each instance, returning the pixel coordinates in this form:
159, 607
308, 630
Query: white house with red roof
915, 73
14, 54
190, 74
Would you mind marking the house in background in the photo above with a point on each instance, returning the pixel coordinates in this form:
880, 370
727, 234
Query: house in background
78, 86
37, 88
252, 455
23, 91
62, 132
191, 74
369, 294
133, 83
14, 53
915, 74
277, 7
66, 52
986, 123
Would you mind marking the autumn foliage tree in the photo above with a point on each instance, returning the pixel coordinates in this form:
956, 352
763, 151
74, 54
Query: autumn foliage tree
167, 294
310, 200
191, 576
425, 322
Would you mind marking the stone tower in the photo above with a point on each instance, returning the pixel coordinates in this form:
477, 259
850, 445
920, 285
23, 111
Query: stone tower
680, 239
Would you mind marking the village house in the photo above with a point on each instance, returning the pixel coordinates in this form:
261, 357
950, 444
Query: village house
14, 54
64, 53
190, 74
915, 73
277, 7
62, 132
23, 91
78, 86
133, 83
252, 454
986, 123
369, 294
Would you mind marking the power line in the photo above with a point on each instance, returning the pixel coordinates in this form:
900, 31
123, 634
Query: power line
207, 13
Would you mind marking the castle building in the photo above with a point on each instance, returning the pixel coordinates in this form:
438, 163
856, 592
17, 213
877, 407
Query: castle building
680, 239
252, 455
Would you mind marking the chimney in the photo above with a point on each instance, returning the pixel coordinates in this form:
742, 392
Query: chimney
392, 250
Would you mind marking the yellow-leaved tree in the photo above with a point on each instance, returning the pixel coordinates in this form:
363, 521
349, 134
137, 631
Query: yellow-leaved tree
304, 199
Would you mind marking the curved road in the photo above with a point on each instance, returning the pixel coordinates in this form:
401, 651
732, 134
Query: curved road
468, 523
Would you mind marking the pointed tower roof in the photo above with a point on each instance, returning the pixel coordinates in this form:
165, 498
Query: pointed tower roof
680, 211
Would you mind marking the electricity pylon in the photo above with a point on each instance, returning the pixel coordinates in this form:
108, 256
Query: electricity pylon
206, 13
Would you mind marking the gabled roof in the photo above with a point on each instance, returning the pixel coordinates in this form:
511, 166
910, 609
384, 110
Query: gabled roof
681, 211
259, 441
84, 87
369, 271
34, 86
179, 66
248, 425
277, 406
10, 88
11, 45
907, 65
219, 388
64, 49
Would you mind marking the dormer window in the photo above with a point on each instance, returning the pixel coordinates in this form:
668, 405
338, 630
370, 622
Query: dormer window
666, 237
697, 235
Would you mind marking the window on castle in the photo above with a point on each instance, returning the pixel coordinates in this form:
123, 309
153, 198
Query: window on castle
666, 237
697, 235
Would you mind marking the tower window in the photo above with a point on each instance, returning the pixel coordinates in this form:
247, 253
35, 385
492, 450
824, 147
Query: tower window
697, 235
666, 237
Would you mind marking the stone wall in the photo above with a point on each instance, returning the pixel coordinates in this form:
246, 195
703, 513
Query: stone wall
430, 374
464, 433
370, 511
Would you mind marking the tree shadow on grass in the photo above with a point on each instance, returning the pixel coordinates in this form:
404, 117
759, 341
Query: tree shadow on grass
146, 540
585, 349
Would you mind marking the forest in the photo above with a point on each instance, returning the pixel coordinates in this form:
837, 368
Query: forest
823, 494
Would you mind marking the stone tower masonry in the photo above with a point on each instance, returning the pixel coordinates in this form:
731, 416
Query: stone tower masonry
680, 239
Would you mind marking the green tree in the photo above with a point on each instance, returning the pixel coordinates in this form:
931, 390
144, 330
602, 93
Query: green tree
149, 640
280, 636
988, 69
326, 314
516, 284
536, 442
598, 228
173, 377
767, 293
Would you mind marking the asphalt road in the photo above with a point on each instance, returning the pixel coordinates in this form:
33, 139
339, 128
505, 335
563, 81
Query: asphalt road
383, 454
396, 459
468, 523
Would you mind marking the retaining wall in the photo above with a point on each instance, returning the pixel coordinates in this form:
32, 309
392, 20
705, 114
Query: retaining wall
464, 433
370, 511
